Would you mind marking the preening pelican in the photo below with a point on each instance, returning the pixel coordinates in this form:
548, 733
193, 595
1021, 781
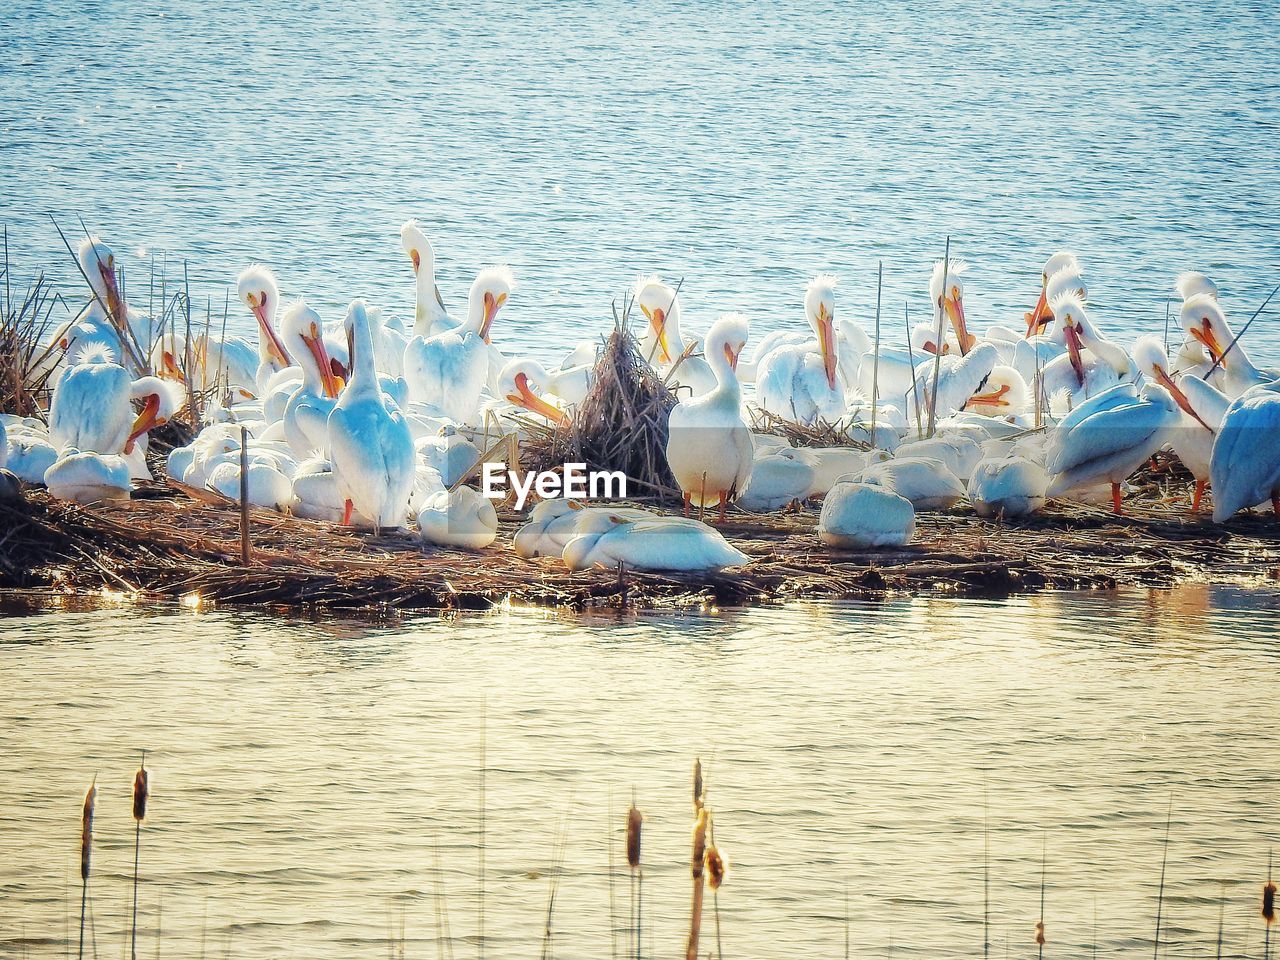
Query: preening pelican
258, 290
1245, 467
1007, 486
1108, 437
608, 539
458, 518
1195, 284
662, 344
101, 324
960, 378
708, 444
430, 317
1091, 365
450, 369
88, 477
1040, 313
801, 382
372, 449
523, 383
92, 408
306, 415
778, 478
1003, 393
861, 515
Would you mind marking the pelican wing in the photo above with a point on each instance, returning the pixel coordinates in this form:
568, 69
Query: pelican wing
1244, 469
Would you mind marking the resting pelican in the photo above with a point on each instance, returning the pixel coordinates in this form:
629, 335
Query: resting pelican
1091, 365
92, 408
523, 382
929, 484
960, 453
960, 378
449, 453
458, 518
1245, 467
1002, 394
1108, 437
1194, 284
373, 454
1203, 320
306, 415
553, 523
268, 486
258, 290
1007, 486
801, 382
708, 444
430, 317
450, 369
1040, 313
88, 477
609, 540
862, 515
778, 478
662, 345
1202, 410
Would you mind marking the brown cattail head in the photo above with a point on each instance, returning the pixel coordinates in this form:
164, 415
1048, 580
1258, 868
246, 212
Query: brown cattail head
1269, 903
716, 867
1040, 933
700, 826
634, 819
140, 791
697, 785
86, 828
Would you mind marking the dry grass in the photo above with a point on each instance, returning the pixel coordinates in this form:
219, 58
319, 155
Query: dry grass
25, 322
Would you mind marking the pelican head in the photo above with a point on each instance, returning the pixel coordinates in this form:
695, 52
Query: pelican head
1205, 323
1065, 282
257, 287
727, 337
946, 290
522, 382
303, 330
490, 290
1004, 392
1193, 284
1068, 311
820, 311
158, 404
1040, 315
661, 308
99, 265
923, 336
419, 249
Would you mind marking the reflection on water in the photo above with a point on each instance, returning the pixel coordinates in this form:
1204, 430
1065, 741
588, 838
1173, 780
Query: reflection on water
306, 770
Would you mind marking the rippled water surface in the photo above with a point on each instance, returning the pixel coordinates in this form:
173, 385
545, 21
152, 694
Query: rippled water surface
306, 772
742, 148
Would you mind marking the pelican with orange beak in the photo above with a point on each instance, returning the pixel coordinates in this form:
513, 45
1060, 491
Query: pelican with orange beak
662, 344
1040, 315
306, 415
1203, 320
523, 383
709, 446
1091, 365
430, 316
450, 370
946, 290
259, 291
1202, 406
802, 382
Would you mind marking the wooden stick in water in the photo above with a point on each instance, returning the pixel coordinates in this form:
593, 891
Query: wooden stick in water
1160, 896
141, 791
938, 341
697, 869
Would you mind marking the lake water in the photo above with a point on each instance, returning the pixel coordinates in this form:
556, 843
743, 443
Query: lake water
305, 773
742, 148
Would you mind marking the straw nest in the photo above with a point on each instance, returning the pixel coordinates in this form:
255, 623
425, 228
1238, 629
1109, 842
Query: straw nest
171, 543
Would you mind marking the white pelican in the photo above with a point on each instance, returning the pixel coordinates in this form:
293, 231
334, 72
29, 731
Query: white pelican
959, 452
1202, 410
801, 382
258, 290
523, 382
30, 456
928, 483
306, 414
1245, 468
458, 518
1108, 437
608, 539
316, 493
709, 446
450, 369
1091, 365
778, 478
1040, 313
946, 292
88, 477
1194, 284
4, 445
1007, 486
92, 408
430, 317
830, 464
553, 523
1203, 320
862, 515
960, 378
268, 486
372, 449
748, 368
449, 453
663, 346
1003, 393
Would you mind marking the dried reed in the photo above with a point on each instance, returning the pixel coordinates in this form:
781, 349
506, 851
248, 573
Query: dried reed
86, 852
1164, 862
1268, 910
141, 791
697, 868
26, 363
635, 821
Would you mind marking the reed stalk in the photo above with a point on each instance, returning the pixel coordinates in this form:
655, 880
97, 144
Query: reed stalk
86, 853
875, 363
1268, 911
1243, 330
141, 791
697, 867
986, 875
1164, 862
938, 340
613, 908
246, 547
1044, 848
911, 359
635, 821
480, 866
1222, 909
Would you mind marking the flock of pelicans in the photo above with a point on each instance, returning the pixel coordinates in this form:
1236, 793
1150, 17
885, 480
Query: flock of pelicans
365, 422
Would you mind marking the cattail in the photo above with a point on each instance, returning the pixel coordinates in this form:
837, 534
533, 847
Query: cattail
696, 866
140, 792
1040, 933
716, 867
634, 820
86, 829
697, 785
1269, 903
700, 826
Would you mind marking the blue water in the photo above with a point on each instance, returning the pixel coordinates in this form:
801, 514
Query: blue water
741, 148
